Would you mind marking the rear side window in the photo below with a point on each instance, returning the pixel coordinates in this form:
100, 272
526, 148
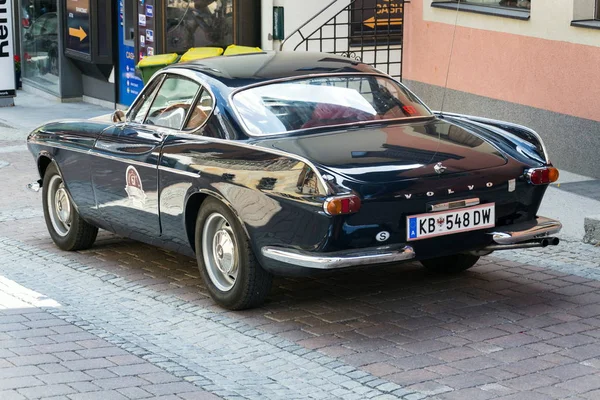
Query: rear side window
200, 112
325, 101
172, 102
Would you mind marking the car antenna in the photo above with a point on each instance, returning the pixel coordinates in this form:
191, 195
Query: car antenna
450, 59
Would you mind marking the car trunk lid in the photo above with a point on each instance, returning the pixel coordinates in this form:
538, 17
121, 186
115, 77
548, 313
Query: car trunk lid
393, 152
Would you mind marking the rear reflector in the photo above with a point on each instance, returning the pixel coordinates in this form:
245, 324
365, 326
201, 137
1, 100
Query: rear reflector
542, 176
342, 205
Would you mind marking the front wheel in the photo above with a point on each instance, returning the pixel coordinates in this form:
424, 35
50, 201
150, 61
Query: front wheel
450, 264
233, 276
67, 229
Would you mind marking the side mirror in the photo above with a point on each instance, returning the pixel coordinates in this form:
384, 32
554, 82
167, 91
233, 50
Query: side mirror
118, 116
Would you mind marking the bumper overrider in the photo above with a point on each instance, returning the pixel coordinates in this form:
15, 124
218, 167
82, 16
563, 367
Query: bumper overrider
536, 233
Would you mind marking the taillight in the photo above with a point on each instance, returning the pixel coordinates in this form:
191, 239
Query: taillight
542, 176
339, 205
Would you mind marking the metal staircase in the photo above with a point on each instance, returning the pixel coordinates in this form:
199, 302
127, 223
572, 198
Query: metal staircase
370, 31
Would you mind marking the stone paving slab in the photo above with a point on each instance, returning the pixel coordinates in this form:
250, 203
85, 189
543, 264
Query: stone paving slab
47, 372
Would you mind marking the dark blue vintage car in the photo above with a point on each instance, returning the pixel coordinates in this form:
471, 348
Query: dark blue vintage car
289, 163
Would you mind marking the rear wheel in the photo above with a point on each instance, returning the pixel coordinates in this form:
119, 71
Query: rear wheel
450, 264
233, 276
67, 229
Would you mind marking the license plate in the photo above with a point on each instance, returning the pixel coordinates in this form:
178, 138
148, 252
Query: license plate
425, 226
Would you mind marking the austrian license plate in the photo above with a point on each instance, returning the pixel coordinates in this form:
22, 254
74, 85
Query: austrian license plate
425, 226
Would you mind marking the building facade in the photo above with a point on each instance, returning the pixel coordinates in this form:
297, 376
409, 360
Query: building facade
74, 49
532, 62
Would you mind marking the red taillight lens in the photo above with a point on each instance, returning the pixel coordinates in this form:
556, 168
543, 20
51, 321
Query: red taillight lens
342, 205
542, 176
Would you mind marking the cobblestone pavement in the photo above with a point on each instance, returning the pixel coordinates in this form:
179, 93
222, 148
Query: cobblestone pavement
126, 319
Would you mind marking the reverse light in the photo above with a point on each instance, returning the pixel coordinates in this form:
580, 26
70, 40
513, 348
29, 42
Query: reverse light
542, 176
340, 205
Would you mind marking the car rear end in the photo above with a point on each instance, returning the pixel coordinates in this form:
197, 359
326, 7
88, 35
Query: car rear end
404, 183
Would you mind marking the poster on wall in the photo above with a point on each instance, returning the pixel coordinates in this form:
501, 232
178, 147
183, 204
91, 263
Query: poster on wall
7, 63
130, 85
78, 27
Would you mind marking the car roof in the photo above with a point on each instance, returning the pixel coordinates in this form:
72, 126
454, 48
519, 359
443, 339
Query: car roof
237, 71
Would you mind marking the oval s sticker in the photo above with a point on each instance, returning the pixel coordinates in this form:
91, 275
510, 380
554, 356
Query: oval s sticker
382, 236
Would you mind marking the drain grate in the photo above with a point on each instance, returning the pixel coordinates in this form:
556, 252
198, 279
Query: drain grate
589, 189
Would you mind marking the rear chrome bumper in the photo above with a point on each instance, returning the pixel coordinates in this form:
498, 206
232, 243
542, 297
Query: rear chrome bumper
534, 233
339, 259
540, 228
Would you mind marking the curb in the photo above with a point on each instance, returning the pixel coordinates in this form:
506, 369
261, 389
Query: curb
592, 230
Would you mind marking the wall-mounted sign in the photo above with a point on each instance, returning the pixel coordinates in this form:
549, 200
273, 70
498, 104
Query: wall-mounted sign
377, 22
7, 63
78, 27
129, 83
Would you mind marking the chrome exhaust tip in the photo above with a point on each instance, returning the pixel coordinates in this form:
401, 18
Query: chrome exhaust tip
545, 242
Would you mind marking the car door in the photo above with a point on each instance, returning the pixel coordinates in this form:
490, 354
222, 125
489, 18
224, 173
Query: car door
125, 171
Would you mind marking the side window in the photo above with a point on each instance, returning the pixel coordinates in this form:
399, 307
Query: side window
172, 102
201, 111
140, 109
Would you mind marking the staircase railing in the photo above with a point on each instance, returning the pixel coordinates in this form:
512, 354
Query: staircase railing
370, 31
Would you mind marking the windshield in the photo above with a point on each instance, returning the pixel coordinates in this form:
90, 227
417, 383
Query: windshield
324, 101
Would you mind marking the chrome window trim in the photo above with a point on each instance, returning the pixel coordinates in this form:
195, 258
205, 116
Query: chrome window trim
323, 75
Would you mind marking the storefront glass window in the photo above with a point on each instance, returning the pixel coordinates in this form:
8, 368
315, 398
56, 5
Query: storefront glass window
198, 23
39, 38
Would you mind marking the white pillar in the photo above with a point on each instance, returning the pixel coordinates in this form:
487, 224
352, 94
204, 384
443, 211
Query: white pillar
266, 24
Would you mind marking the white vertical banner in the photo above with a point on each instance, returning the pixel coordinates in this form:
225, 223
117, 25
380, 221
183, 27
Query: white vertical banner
7, 62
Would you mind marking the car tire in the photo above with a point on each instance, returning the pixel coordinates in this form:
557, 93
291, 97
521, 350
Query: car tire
66, 227
233, 276
453, 264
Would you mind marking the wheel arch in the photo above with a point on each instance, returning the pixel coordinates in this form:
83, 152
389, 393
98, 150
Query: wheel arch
43, 161
192, 207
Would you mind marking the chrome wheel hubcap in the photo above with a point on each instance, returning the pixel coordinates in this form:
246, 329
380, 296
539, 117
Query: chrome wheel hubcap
59, 206
219, 252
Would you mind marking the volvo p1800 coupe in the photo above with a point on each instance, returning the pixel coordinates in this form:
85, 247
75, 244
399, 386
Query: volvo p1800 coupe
288, 163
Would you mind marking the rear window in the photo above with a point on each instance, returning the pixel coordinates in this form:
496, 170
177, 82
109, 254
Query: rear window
324, 101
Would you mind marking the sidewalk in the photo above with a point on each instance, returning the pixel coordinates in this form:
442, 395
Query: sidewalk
30, 111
